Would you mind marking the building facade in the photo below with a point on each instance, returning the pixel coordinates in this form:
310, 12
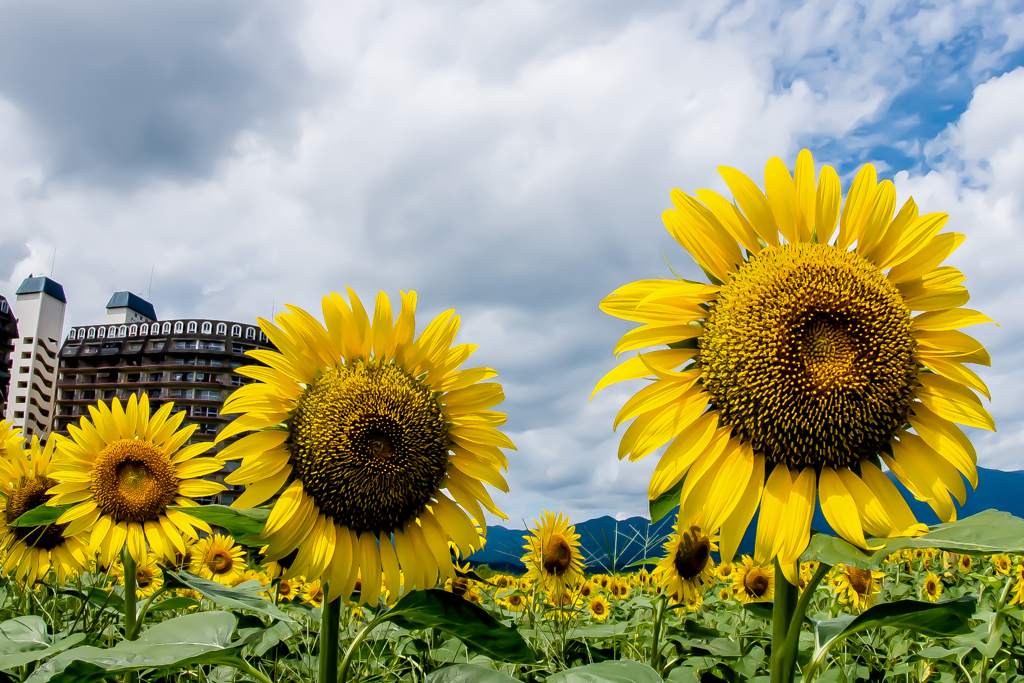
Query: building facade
8, 333
189, 362
39, 310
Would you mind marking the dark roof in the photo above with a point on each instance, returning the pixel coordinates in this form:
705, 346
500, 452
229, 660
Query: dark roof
42, 284
136, 303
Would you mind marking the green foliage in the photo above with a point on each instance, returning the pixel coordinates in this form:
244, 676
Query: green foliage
245, 525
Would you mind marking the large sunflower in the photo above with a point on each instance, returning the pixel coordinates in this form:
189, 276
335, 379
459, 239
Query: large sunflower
804, 363
553, 557
123, 470
363, 426
26, 482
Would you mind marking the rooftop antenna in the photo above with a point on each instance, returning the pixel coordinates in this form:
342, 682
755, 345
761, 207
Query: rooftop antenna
53, 261
149, 296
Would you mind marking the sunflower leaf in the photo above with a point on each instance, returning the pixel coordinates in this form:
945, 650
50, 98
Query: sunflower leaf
26, 639
242, 596
468, 673
245, 525
42, 515
620, 671
666, 502
454, 615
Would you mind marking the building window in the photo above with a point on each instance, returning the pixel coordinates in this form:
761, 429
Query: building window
185, 344
101, 333
19, 413
23, 385
112, 332
191, 326
137, 346
3, 306
206, 395
236, 330
133, 331
211, 345
27, 340
179, 327
207, 328
92, 333
144, 329
122, 331
250, 333
167, 328
222, 328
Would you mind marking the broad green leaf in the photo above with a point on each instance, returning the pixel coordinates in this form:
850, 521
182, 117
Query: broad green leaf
620, 671
646, 562
98, 597
27, 639
940, 619
245, 525
987, 533
173, 603
666, 502
468, 673
203, 638
242, 596
476, 628
42, 515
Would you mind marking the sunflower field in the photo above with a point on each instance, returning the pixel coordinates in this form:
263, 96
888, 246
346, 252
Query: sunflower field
818, 363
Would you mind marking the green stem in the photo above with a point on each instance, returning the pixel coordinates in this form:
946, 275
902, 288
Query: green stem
130, 610
330, 621
248, 668
354, 645
656, 648
782, 615
793, 637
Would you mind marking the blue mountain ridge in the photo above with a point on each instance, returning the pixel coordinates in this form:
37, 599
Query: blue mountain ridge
608, 544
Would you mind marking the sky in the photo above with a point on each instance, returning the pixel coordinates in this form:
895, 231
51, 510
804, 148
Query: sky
509, 159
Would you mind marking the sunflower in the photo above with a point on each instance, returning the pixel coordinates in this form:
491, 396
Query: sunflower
687, 566
858, 588
359, 428
586, 590
313, 593
124, 470
725, 594
148, 576
1018, 586
724, 571
26, 482
501, 581
598, 608
10, 435
219, 559
753, 583
932, 587
289, 589
553, 558
965, 563
516, 602
803, 362
1002, 564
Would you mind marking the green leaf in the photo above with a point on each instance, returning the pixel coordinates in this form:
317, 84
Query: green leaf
987, 533
245, 525
42, 515
98, 597
646, 562
27, 639
468, 673
242, 596
940, 619
613, 671
174, 603
203, 638
472, 625
666, 502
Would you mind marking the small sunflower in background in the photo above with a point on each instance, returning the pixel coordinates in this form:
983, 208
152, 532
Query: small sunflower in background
965, 564
149, 578
752, 582
724, 571
289, 589
553, 558
599, 608
365, 430
313, 593
1002, 564
858, 588
516, 602
27, 553
932, 587
687, 566
725, 594
219, 559
586, 590
123, 470
1018, 586
501, 581
803, 359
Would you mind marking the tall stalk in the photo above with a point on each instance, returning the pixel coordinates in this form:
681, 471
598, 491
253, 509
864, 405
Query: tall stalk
130, 609
330, 620
783, 612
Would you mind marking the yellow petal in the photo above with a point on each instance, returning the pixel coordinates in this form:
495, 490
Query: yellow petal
783, 200
953, 402
840, 508
753, 203
682, 453
858, 205
735, 526
827, 203
774, 500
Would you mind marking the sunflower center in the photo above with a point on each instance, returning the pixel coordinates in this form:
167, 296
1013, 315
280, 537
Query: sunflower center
756, 583
692, 554
220, 561
808, 355
515, 600
29, 493
460, 586
316, 594
860, 580
557, 554
597, 607
370, 445
133, 481
144, 578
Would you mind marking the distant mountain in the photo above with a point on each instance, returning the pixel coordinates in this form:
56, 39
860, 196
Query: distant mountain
609, 544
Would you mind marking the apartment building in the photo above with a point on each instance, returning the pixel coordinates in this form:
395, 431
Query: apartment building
39, 311
189, 362
8, 333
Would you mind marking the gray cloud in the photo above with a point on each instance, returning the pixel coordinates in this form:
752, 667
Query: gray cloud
118, 91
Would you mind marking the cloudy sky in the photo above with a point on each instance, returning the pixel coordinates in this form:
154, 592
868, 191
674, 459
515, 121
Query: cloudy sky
510, 159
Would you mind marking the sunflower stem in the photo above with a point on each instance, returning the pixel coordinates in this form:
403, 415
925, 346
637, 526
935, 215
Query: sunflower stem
656, 646
792, 645
357, 641
783, 662
130, 603
330, 620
